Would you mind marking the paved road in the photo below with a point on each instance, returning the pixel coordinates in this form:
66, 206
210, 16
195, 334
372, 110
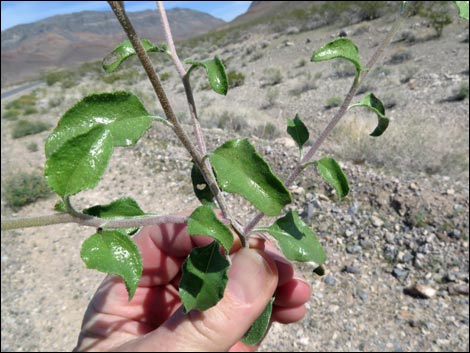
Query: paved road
21, 88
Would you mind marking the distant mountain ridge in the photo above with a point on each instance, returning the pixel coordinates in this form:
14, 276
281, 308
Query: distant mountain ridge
65, 40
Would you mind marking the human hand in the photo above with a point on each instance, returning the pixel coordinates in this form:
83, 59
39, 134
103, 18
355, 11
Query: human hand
154, 321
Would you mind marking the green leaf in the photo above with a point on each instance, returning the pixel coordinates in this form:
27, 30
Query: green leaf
125, 50
298, 131
339, 48
240, 169
79, 163
296, 239
204, 278
257, 331
115, 253
121, 112
123, 207
200, 187
216, 71
203, 221
334, 175
463, 8
373, 103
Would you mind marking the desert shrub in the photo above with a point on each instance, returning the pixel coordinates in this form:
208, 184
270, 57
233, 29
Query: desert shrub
380, 72
22, 189
232, 121
437, 13
333, 102
272, 76
54, 102
165, 76
302, 88
272, 94
407, 73
11, 114
25, 127
459, 94
30, 110
32, 147
343, 68
267, 131
235, 79
27, 100
399, 57
58, 76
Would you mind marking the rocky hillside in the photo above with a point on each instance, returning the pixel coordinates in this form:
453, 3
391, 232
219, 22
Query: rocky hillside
66, 40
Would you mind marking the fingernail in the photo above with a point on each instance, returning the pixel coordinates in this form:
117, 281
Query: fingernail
248, 274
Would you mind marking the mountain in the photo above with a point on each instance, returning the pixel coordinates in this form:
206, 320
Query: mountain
65, 40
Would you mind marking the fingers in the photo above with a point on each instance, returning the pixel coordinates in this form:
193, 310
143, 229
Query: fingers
252, 282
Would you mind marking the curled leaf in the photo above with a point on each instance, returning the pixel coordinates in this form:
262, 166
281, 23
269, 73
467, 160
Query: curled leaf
374, 104
125, 50
115, 253
257, 331
296, 240
334, 175
216, 71
298, 131
339, 48
204, 278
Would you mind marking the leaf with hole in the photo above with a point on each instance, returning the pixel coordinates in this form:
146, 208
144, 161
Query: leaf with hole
216, 71
204, 278
121, 112
331, 171
257, 331
296, 240
125, 50
241, 170
203, 221
79, 163
200, 187
374, 104
339, 48
115, 253
122, 207
298, 131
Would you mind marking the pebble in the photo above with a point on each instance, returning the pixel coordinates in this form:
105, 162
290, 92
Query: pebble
413, 186
352, 269
353, 249
455, 289
376, 221
399, 273
421, 291
330, 280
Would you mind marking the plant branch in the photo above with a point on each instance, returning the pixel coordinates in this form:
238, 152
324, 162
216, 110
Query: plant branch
128, 28
339, 114
87, 220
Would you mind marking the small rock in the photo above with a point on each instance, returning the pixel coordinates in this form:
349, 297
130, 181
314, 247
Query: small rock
376, 221
450, 192
330, 280
353, 249
323, 197
352, 269
420, 291
399, 273
366, 244
455, 289
413, 186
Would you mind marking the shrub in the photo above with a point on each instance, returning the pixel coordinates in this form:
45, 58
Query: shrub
25, 127
165, 76
333, 102
267, 131
302, 88
30, 110
27, 100
229, 120
57, 76
459, 94
343, 69
399, 57
11, 114
272, 94
271, 76
437, 13
235, 79
23, 189
32, 147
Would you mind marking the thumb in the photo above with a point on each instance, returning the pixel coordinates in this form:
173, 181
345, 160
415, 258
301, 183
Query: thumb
251, 284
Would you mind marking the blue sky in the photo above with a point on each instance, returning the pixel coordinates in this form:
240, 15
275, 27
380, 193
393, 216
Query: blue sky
19, 12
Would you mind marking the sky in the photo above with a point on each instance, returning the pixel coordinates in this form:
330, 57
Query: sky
20, 12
